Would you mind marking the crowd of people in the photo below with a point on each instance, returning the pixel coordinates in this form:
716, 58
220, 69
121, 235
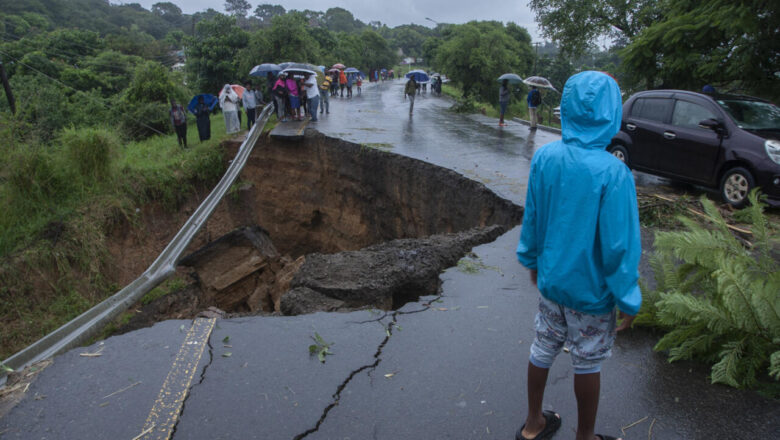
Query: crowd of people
295, 94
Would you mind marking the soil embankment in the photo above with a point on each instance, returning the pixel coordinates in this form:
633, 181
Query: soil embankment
334, 225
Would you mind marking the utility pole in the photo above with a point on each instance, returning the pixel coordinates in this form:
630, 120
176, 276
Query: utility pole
8, 93
536, 57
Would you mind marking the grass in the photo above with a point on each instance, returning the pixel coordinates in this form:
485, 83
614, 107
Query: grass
516, 109
58, 213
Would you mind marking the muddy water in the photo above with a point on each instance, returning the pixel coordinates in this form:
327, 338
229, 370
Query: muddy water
325, 224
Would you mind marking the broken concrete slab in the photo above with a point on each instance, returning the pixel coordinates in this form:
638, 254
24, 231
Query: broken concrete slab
390, 274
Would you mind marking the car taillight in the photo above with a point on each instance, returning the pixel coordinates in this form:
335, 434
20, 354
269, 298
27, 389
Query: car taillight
773, 150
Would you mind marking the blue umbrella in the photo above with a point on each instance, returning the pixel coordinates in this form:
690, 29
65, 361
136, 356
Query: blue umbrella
322, 68
209, 100
383, 71
263, 69
418, 75
351, 70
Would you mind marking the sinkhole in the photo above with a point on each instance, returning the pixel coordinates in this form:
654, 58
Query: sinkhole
323, 224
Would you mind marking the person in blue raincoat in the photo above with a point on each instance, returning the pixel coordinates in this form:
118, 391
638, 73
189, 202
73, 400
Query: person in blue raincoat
580, 240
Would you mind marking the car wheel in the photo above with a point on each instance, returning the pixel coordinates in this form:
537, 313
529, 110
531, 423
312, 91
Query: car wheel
621, 153
736, 185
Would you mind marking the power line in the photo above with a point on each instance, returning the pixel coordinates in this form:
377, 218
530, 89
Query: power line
75, 89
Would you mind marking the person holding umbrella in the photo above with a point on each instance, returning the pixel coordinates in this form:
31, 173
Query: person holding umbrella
503, 100
280, 96
179, 122
409, 90
202, 119
534, 101
228, 100
312, 94
342, 82
293, 97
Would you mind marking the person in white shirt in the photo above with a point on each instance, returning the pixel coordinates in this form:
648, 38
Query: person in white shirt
312, 94
228, 100
250, 103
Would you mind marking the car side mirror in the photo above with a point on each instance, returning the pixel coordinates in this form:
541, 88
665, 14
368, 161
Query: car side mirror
711, 124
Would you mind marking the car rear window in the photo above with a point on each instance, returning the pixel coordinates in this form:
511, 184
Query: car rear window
687, 114
653, 109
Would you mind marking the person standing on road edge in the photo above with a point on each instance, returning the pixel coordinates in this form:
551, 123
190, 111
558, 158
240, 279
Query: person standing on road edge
312, 94
534, 100
580, 240
409, 90
250, 103
503, 100
179, 122
325, 93
280, 93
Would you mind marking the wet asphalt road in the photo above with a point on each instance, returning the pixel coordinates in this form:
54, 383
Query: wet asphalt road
442, 368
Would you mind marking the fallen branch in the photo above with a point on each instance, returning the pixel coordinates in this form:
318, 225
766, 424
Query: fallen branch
95, 354
623, 429
123, 389
701, 214
145, 431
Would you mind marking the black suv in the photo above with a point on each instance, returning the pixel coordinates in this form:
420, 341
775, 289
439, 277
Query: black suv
729, 142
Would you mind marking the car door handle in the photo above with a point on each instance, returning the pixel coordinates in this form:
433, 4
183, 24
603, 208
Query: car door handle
669, 135
631, 127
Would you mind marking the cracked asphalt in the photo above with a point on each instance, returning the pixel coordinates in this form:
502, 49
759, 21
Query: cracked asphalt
447, 367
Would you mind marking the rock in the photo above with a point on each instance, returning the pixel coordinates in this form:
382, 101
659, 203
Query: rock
390, 274
302, 300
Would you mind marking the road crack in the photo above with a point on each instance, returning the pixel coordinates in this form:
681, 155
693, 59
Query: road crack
370, 367
189, 391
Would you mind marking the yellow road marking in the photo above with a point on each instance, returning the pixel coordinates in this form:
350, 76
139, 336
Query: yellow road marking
303, 126
165, 411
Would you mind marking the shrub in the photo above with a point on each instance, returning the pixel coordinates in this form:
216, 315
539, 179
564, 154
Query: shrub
718, 296
90, 151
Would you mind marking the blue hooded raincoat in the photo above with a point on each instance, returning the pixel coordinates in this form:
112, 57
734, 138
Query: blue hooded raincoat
581, 223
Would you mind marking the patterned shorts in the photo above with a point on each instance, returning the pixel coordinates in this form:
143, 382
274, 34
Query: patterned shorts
588, 337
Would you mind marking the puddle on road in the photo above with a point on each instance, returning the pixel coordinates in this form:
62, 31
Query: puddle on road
329, 225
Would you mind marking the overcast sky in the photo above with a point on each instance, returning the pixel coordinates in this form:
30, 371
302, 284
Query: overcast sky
393, 12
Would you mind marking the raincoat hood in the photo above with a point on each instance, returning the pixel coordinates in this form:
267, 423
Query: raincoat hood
591, 110
581, 222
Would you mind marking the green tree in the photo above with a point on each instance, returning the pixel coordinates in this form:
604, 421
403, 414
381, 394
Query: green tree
474, 54
375, 51
341, 20
237, 8
290, 41
409, 41
168, 11
266, 12
576, 24
212, 54
721, 42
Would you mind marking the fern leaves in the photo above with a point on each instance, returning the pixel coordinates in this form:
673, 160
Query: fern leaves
719, 296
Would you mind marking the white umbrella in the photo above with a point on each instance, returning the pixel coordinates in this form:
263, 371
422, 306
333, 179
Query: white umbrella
539, 81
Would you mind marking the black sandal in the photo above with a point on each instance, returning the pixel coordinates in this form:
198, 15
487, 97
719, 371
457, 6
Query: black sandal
552, 423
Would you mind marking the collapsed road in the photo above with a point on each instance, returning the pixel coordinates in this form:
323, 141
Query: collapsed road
447, 365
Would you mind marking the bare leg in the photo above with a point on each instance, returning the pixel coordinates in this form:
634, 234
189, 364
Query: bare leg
586, 389
537, 381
